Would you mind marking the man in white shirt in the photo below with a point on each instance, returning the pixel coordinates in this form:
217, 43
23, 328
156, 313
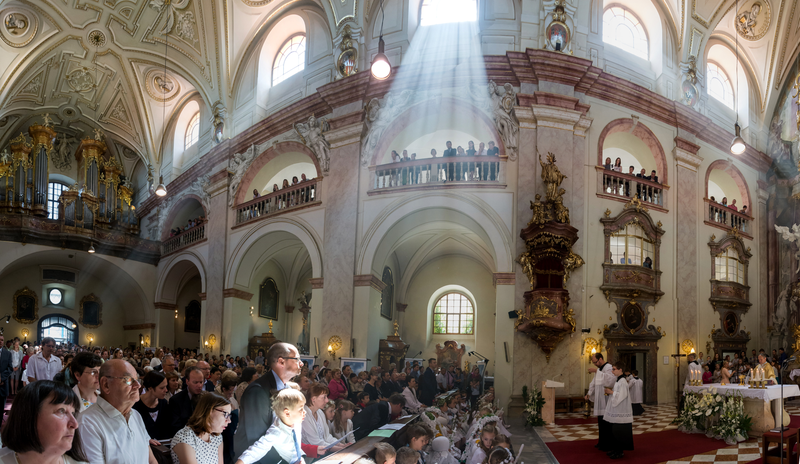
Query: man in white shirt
44, 366
111, 431
603, 378
410, 394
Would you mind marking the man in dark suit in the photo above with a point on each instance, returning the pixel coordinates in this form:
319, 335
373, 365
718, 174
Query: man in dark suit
427, 385
346, 371
182, 404
5, 373
450, 152
377, 415
206, 368
255, 408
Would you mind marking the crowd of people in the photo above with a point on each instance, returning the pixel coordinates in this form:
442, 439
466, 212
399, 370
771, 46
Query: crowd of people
125, 405
617, 186
295, 194
191, 223
718, 212
466, 171
727, 370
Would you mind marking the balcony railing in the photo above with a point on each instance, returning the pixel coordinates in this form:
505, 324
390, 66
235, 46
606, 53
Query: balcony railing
184, 239
626, 186
432, 171
726, 218
294, 197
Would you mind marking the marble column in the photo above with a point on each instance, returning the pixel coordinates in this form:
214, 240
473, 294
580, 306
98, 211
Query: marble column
341, 219
687, 221
316, 318
505, 291
366, 307
216, 232
761, 268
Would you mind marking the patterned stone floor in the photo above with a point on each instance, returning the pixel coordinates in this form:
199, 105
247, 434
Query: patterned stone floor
654, 419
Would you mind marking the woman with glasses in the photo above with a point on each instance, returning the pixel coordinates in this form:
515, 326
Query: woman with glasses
42, 427
200, 442
153, 408
85, 368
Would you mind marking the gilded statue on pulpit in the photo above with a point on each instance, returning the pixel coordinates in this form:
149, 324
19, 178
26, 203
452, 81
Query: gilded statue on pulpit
552, 178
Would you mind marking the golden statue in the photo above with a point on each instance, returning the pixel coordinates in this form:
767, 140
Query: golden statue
540, 213
569, 317
526, 261
270, 326
562, 212
396, 328
571, 262
552, 177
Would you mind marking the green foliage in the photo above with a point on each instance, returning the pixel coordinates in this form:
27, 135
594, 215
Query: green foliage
533, 406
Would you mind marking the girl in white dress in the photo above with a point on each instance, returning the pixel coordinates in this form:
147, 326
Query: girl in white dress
342, 423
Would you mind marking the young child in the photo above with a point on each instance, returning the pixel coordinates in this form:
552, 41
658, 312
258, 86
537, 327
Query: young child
342, 422
484, 445
418, 436
635, 391
707, 377
440, 453
385, 453
503, 441
499, 455
619, 414
406, 455
289, 407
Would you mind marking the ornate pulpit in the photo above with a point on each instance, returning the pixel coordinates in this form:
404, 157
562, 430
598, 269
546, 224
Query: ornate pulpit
392, 349
261, 342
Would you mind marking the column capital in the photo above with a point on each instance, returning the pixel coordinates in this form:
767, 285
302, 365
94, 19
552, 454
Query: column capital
289, 309
369, 280
217, 183
401, 307
317, 282
504, 278
686, 154
202, 296
344, 135
236, 293
167, 306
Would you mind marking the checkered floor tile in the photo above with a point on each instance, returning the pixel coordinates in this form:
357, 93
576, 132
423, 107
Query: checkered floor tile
654, 419
746, 451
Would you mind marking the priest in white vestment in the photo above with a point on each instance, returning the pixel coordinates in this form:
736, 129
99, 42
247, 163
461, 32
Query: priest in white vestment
603, 378
635, 389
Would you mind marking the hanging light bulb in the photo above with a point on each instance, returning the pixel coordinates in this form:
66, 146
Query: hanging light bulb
161, 190
381, 68
91, 249
737, 145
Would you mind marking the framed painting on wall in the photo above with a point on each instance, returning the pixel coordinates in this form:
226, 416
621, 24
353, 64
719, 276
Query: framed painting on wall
91, 312
25, 306
268, 299
357, 364
308, 361
387, 296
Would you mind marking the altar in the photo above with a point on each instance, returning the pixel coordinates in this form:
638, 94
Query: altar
763, 405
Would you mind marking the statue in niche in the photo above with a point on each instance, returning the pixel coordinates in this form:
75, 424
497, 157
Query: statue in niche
62, 157
16, 23
552, 178
746, 22
791, 237
505, 120
312, 134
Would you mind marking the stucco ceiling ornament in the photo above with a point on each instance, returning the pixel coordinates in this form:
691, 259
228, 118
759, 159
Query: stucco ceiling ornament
19, 26
381, 112
63, 152
218, 121
689, 93
96, 38
313, 136
505, 120
752, 19
161, 87
80, 80
237, 166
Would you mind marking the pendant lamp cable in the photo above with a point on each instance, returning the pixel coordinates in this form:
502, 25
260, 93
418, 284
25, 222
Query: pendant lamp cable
736, 39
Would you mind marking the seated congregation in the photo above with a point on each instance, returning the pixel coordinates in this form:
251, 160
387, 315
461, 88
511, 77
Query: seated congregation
179, 406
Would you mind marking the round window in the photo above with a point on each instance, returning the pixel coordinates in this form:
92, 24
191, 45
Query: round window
55, 296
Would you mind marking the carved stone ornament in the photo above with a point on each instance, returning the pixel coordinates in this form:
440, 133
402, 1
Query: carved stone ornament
19, 26
161, 87
347, 62
547, 262
64, 152
312, 136
25, 307
380, 113
503, 100
80, 80
219, 113
558, 32
237, 167
752, 19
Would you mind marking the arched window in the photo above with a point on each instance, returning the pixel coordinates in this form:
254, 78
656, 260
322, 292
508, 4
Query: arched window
291, 59
719, 86
54, 190
434, 12
622, 29
192, 131
631, 246
62, 328
728, 267
453, 314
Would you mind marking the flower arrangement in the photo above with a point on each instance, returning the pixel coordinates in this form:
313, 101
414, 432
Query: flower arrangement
716, 415
533, 406
733, 424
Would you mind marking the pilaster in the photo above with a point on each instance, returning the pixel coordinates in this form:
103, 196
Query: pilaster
216, 232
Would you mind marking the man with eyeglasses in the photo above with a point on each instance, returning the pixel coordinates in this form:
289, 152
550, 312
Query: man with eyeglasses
255, 408
44, 366
111, 430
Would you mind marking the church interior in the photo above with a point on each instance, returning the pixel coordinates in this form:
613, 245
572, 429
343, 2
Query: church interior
219, 175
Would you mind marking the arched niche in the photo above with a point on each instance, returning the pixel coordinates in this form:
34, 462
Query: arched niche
178, 270
262, 169
637, 140
429, 124
723, 176
189, 207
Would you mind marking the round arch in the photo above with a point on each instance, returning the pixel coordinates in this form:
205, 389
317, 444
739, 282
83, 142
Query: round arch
643, 133
176, 208
241, 277
73, 329
442, 291
432, 107
745, 61
267, 156
470, 206
730, 169
175, 274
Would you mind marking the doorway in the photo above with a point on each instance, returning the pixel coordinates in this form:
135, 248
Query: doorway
637, 360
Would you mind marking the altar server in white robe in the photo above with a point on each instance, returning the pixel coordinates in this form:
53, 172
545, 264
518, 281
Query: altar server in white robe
694, 367
635, 390
603, 378
619, 414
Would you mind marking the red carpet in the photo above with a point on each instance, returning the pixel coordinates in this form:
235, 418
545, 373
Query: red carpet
592, 420
651, 448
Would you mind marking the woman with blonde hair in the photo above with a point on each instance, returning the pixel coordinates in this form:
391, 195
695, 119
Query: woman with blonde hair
156, 361
200, 442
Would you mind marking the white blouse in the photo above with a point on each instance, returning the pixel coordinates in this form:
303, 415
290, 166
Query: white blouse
348, 429
316, 432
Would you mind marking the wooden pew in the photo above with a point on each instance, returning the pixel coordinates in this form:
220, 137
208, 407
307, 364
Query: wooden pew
366, 446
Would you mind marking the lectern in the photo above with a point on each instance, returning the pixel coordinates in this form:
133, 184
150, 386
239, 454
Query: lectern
549, 395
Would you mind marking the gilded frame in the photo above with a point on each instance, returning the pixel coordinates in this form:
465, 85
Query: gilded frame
94, 299
26, 292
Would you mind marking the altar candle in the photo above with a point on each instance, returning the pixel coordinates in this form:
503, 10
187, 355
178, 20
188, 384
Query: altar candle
751, 375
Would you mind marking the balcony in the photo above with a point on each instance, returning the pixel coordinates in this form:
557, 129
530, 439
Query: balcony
300, 196
472, 171
184, 239
623, 187
725, 218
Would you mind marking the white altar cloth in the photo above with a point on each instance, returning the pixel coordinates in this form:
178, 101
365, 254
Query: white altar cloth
772, 392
